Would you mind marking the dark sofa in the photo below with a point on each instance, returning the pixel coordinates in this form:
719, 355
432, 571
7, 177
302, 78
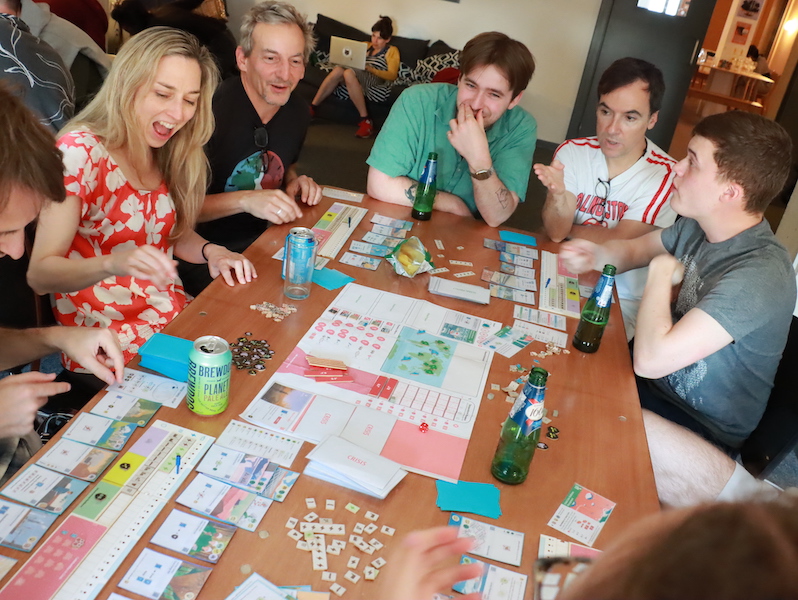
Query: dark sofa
420, 62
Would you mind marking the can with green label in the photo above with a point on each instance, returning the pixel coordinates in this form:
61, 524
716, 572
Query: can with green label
209, 365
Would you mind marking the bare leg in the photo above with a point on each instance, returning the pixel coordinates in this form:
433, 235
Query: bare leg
328, 85
356, 93
688, 469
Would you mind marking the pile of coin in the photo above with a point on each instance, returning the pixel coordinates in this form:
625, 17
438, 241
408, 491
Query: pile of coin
251, 354
272, 311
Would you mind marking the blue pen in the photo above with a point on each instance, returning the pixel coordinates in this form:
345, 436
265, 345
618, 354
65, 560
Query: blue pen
548, 281
177, 464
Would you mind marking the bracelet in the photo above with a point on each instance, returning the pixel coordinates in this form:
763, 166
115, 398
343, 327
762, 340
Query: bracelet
205, 245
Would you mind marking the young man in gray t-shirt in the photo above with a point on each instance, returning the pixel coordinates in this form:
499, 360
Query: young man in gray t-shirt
706, 364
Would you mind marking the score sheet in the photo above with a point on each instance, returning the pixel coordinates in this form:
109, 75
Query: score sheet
410, 363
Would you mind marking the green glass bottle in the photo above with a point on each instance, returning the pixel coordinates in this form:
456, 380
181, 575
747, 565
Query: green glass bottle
596, 313
426, 190
521, 431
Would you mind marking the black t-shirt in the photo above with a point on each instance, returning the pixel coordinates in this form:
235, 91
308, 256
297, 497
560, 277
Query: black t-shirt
237, 163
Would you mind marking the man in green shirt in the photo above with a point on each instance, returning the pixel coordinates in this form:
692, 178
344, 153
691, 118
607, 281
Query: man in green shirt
484, 141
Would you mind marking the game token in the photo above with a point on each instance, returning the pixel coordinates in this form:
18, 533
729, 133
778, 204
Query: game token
352, 576
490, 396
376, 544
353, 508
246, 569
263, 534
423, 428
372, 516
334, 550
353, 562
329, 576
387, 530
370, 528
291, 523
543, 446
370, 573
294, 535
358, 528
310, 517
338, 590
310, 502
378, 563
329, 505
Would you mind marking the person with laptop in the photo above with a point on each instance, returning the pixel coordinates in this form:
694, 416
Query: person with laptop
260, 130
370, 80
484, 140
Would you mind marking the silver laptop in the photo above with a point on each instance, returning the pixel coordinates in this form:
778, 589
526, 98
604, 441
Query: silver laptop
348, 53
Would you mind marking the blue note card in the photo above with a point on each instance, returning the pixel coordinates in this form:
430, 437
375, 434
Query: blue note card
468, 496
512, 237
330, 279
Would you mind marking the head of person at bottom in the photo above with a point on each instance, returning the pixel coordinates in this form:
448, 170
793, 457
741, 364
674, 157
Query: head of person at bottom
31, 174
275, 45
736, 164
494, 72
157, 100
630, 95
722, 551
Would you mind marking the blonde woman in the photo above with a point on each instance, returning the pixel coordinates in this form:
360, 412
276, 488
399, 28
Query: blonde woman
135, 176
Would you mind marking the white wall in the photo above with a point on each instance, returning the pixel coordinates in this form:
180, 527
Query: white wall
557, 33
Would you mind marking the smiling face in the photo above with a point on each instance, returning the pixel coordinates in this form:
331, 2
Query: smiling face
275, 66
166, 105
486, 89
622, 120
21, 209
377, 41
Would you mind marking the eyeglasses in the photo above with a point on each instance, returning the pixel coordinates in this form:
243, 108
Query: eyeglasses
552, 575
261, 139
603, 192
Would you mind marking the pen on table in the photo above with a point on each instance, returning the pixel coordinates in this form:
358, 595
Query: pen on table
548, 281
349, 220
177, 464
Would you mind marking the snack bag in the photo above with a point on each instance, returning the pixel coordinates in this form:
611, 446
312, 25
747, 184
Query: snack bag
410, 258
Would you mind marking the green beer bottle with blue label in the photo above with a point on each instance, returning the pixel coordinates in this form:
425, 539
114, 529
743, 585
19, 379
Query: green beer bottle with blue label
521, 431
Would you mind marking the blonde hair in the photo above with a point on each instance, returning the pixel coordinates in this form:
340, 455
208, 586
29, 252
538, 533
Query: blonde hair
111, 116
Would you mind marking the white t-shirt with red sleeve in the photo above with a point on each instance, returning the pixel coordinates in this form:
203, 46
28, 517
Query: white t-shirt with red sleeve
641, 193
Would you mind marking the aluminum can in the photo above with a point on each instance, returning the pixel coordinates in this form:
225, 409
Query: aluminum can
209, 365
298, 262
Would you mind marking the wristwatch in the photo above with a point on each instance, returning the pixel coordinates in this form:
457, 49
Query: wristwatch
483, 174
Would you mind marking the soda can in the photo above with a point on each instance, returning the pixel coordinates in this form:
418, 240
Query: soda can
209, 365
298, 262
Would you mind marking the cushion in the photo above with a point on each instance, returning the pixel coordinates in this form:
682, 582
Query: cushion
440, 47
447, 75
430, 66
410, 50
326, 27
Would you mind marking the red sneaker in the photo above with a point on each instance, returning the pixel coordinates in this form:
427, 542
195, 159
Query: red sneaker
365, 129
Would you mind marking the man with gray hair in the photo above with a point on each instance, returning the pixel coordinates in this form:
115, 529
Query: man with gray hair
260, 129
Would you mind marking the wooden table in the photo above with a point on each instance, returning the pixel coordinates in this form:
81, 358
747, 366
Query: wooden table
601, 443
730, 87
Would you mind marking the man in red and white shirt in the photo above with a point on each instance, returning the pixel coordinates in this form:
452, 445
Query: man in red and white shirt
617, 184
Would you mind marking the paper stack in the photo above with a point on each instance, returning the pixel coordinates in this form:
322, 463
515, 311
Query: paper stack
343, 463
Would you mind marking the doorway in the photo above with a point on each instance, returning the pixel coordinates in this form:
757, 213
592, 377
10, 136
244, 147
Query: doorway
670, 42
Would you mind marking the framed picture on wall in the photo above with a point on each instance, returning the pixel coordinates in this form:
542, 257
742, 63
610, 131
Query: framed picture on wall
750, 9
741, 31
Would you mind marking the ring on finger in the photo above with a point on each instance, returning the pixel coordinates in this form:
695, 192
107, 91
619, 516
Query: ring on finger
279, 210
